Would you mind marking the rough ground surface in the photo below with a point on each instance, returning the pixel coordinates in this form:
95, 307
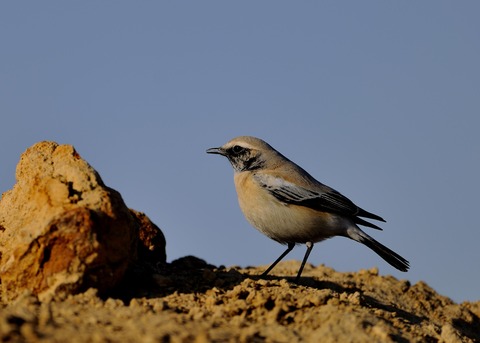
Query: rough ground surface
191, 301
62, 231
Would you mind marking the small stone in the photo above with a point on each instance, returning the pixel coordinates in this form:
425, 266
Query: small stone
449, 334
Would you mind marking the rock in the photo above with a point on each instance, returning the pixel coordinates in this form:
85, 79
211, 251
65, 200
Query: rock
62, 230
151, 245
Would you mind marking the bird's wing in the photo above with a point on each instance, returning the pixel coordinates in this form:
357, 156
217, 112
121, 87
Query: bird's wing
323, 198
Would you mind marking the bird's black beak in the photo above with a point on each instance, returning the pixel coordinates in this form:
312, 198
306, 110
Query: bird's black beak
219, 151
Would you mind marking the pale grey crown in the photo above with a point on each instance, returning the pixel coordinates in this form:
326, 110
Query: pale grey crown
246, 153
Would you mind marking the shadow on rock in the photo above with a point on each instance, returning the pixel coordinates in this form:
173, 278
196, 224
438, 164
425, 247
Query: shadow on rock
185, 275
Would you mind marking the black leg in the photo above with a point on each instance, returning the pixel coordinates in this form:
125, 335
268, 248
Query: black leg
305, 258
289, 248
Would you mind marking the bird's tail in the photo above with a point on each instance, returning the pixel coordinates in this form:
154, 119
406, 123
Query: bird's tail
388, 255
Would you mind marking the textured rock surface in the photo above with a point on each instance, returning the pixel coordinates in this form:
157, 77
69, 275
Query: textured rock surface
151, 247
61, 229
191, 301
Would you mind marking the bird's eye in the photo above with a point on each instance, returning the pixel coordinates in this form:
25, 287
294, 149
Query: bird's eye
237, 149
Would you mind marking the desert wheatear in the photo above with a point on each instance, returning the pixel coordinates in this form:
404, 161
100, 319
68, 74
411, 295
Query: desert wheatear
288, 205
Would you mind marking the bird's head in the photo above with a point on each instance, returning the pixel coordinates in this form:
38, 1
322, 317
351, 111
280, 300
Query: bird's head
247, 153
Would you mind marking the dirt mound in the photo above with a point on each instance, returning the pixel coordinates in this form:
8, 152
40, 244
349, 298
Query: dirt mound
63, 230
190, 300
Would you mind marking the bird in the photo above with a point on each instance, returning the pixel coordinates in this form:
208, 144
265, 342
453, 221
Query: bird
288, 205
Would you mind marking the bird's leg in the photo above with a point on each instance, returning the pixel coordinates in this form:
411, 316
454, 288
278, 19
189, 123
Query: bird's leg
305, 258
289, 248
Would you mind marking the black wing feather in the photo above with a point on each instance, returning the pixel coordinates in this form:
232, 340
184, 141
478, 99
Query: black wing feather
328, 200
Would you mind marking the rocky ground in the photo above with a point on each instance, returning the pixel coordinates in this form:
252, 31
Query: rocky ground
192, 301
77, 265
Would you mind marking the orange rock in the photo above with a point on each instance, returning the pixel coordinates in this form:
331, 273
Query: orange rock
61, 229
151, 245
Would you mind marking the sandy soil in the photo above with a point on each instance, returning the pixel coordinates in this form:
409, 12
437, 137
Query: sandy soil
192, 301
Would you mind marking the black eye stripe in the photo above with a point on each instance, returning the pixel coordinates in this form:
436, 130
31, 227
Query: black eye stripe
237, 149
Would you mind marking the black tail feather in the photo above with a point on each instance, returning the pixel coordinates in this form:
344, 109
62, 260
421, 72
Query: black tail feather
388, 255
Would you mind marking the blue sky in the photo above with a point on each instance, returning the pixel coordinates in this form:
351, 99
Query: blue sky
380, 100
